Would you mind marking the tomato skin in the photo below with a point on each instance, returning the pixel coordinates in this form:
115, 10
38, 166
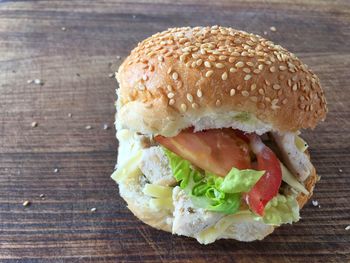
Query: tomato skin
268, 185
216, 150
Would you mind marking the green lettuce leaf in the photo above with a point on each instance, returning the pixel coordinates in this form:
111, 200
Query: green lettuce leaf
209, 191
238, 181
281, 210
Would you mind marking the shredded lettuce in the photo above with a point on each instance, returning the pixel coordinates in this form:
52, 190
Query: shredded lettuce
281, 210
209, 191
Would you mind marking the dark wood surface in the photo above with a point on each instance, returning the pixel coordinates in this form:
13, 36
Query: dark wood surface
74, 65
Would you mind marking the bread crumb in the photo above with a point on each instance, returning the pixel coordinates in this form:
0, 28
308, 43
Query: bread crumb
273, 29
63, 28
30, 81
118, 57
38, 82
70, 115
56, 170
26, 203
111, 75
347, 228
314, 202
340, 170
42, 196
88, 127
105, 126
93, 209
34, 124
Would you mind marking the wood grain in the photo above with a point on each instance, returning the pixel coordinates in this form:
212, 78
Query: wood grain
74, 65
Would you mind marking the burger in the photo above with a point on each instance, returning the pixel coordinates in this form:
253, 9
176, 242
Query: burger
208, 122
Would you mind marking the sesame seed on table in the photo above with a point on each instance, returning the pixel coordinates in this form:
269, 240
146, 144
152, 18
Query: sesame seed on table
58, 59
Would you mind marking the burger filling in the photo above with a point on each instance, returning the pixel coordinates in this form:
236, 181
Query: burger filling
210, 177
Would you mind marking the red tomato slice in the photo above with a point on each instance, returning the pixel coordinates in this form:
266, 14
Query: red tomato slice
216, 150
267, 187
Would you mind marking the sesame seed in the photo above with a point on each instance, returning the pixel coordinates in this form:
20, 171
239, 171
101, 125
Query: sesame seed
245, 93
284, 102
249, 63
34, 124
195, 56
272, 69
239, 87
218, 103
347, 228
295, 87
199, 62
219, 65
171, 102
169, 88
273, 29
38, 82
209, 73
111, 75
88, 127
26, 203
183, 57
207, 64
183, 107
246, 70
105, 126
239, 64
93, 209
195, 106
56, 170
63, 28
224, 76
211, 58
282, 68
222, 57
232, 92
233, 70
235, 54
199, 93
171, 95
70, 115
175, 76
276, 86
261, 92
247, 77
253, 87
260, 67
42, 196
169, 70
189, 97
145, 77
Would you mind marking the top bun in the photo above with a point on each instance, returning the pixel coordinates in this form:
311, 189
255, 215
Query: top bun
207, 76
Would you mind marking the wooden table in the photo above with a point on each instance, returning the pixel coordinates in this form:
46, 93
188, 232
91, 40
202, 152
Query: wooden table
72, 47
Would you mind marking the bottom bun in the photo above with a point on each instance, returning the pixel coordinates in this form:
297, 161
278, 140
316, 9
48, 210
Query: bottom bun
139, 204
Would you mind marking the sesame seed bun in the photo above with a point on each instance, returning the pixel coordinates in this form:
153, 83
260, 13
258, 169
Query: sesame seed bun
177, 77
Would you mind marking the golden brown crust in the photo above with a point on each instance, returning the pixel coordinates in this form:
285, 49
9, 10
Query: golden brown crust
185, 72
